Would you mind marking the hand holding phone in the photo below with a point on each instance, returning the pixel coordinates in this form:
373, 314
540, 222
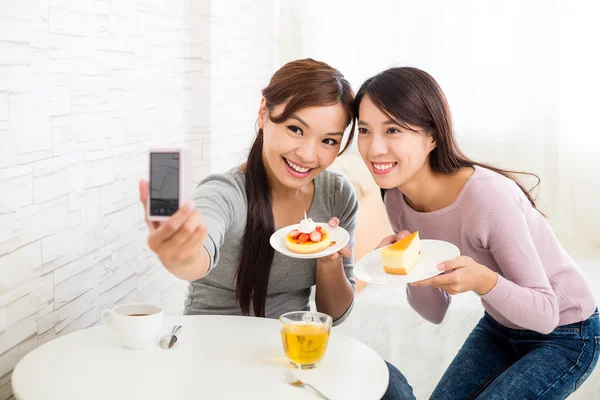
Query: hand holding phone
178, 241
177, 232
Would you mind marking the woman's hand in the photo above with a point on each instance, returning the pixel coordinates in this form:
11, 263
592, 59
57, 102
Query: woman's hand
343, 252
462, 274
393, 239
334, 292
178, 241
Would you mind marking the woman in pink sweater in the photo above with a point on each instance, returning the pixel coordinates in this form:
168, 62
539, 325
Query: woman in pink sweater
540, 334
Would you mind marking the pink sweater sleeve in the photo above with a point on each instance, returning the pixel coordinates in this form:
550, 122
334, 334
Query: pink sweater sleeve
522, 294
430, 303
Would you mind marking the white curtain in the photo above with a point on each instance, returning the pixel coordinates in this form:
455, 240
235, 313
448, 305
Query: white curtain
522, 79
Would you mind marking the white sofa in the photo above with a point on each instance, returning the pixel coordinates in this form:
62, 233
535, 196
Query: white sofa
383, 320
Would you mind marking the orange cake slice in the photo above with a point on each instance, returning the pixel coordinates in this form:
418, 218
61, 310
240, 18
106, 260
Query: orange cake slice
401, 257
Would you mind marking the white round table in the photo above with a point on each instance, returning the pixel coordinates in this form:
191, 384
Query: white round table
216, 357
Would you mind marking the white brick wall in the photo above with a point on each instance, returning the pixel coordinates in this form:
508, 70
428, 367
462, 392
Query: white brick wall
232, 50
86, 87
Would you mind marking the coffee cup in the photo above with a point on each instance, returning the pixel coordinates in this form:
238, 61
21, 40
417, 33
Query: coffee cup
137, 325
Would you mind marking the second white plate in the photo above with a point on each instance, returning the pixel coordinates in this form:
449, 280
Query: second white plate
339, 235
370, 269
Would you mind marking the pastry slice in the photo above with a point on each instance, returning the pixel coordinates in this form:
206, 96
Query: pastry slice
401, 257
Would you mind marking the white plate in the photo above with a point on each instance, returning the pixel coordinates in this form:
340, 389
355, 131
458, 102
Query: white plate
338, 234
370, 269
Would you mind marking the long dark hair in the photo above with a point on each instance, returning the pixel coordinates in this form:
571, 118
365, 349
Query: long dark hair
300, 83
410, 96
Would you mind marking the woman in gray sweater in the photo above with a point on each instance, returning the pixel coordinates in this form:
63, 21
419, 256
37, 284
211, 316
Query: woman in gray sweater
220, 242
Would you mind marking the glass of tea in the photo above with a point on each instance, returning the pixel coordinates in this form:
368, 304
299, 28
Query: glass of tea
305, 335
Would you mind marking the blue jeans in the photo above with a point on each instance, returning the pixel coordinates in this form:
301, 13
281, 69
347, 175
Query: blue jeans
500, 363
398, 387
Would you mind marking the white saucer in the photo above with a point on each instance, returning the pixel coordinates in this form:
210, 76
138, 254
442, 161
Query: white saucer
370, 269
338, 235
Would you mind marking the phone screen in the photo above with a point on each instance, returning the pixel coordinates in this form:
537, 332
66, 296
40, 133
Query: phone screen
164, 183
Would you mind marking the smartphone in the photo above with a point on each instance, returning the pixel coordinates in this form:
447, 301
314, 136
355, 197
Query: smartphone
165, 195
